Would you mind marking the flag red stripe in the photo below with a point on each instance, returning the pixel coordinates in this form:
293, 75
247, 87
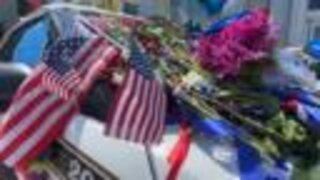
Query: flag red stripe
67, 80
15, 118
147, 119
145, 110
68, 86
99, 55
29, 83
36, 137
132, 130
133, 105
142, 111
112, 54
86, 51
154, 125
120, 100
54, 133
74, 80
10, 122
111, 121
126, 102
23, 136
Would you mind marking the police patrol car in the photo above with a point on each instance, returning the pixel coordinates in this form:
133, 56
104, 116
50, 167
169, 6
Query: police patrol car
85, 153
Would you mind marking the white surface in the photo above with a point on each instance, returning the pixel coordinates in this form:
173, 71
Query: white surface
127, 161
206, 159
199, 164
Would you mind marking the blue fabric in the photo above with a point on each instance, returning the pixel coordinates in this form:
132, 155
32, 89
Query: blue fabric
310, 104
251, 165
216, 128
313, 48
308, 98
216, 27
213, 7
211, 127
283, 170
252, 168
313, 116
249, 162
32, 44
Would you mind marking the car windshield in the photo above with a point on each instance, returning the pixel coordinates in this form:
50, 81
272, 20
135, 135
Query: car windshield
32, 43
27, 43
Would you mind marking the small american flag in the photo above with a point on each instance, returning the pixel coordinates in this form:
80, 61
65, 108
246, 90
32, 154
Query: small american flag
138, 112
61, 76
37, 116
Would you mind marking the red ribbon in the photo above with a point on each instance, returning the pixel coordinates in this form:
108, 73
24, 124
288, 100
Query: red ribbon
180, 151
289, 106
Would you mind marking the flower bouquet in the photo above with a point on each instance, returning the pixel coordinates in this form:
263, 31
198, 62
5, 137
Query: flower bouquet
233, 74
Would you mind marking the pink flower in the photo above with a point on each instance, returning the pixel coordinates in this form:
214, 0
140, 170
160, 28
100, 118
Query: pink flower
247, 39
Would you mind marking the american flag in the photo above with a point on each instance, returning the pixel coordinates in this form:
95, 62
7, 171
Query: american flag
37, 116
61, 76
138, 113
